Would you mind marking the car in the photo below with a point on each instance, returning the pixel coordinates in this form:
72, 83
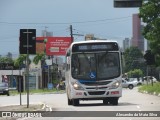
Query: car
150, 78
128, 84
4, 90
138, 82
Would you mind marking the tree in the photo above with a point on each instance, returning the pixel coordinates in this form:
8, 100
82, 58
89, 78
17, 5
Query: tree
133, 59
19, 61
6, 60
149, 57
6, 63
150, 14
38, 58
136, 73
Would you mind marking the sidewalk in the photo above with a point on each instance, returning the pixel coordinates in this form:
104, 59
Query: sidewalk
32, 107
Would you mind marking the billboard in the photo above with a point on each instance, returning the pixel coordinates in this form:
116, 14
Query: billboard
40, 45
54, 45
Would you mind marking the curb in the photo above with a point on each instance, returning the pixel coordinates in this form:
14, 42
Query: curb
154, 93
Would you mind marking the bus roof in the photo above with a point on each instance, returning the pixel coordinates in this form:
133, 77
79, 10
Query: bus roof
92, 41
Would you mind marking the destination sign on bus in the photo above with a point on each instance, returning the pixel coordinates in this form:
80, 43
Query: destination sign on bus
95, 47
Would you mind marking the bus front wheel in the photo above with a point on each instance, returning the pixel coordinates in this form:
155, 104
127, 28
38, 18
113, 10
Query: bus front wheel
105, 102
70, 102
114, 101
75, 102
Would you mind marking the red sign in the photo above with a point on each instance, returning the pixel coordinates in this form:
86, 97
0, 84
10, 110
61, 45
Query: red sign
56, 45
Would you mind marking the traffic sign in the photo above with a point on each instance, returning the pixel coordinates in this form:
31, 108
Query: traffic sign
27, 41
127, 3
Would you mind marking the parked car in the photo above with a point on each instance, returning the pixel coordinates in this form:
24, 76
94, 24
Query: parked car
4, 90
137, 81
150, 78
128, 84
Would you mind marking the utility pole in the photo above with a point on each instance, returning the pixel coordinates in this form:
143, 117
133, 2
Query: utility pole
46, 55
71, 33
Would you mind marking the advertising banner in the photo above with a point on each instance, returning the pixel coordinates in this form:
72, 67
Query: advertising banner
54, 45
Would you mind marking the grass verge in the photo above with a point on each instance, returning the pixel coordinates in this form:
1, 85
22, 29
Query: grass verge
32, 107
155, 89
15, 92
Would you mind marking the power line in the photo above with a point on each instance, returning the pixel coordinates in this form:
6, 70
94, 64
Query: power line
77, 22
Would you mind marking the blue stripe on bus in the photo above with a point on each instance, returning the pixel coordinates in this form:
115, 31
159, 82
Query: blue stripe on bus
83, 81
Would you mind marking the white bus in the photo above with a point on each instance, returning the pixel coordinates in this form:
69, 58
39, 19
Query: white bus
93, 72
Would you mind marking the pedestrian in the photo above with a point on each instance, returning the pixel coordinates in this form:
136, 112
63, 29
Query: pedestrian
57, 87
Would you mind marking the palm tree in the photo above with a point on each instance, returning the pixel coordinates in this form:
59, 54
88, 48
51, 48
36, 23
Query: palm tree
38, 57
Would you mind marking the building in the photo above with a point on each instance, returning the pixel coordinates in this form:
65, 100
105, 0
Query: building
92, 37
126, 43
45, 33
137, 38
9, 55
89, 37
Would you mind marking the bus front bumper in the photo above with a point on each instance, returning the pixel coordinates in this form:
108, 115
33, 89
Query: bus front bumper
98, 94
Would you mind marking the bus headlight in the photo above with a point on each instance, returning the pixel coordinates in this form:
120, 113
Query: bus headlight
6, 89
115, 85
77, 86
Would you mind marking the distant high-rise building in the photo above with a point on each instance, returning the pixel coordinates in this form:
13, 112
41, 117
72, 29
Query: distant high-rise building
89, 37
126, 43
45, 33
92, 37
9, 55
137, 38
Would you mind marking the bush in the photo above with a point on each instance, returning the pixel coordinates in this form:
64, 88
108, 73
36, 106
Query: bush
135, 73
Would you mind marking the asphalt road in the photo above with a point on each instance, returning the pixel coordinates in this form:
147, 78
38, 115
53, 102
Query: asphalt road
131, 103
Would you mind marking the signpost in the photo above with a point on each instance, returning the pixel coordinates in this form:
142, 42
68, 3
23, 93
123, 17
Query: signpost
27, 46
49, 63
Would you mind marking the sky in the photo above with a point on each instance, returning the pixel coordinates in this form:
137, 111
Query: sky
97, 17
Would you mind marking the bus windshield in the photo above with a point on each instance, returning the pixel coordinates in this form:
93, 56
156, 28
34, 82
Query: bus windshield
95, 66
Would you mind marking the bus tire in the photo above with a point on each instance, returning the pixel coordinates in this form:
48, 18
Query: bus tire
105, 102
114, 101
75, 102
70, 102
